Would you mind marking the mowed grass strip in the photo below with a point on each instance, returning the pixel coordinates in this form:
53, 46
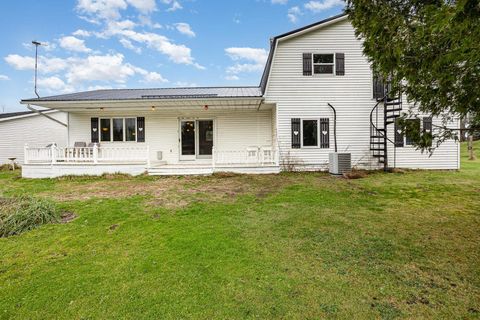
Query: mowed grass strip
294, 246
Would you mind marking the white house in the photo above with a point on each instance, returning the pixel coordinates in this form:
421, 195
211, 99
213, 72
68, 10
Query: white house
20, 128
317, 94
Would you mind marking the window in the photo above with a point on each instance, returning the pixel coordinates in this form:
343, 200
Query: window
105, 130
323, 63
412, 130
130, 129
310, 133
118, 129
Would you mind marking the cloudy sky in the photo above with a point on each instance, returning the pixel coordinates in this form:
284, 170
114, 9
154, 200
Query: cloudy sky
95, 44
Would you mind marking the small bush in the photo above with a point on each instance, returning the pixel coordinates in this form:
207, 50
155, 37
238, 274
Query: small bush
20, 214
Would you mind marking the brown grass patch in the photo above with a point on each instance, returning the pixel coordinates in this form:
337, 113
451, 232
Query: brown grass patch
356, 174
171, 192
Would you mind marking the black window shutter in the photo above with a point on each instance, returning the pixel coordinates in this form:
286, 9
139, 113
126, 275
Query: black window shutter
427, 127
340, 64
307, 64
94, 129
295, 133
324, 133
141, 129
398, 135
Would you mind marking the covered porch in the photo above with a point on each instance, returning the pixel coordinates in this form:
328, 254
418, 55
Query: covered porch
175, 136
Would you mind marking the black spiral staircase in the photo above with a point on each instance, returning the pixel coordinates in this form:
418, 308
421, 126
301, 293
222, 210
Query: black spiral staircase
385, 113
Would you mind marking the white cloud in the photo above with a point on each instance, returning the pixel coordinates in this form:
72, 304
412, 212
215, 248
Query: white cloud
154, 77
244, 67
129, 45
232, 78
144, 6
247, 60
77, 72
184, 28
179, 54
104, 9
82, 33
293, 14
174, 5
54, 84
185, 84
279, 1
4, 77
253, 54
100, 68
108, 12
45, 65
319, 6
73, 44
98, 87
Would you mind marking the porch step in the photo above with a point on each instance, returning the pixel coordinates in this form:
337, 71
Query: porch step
180, 170
177, 170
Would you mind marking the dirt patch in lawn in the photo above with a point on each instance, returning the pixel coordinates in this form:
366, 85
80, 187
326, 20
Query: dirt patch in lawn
67, 217
175, 192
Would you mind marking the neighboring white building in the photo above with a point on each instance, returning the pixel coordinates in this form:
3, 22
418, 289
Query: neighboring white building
20, 128
286, 122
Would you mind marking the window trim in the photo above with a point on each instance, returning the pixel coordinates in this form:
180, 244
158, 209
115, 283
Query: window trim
124, 131
318, 133
333, 64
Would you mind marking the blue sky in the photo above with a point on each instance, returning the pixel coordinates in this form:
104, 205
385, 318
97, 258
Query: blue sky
94, 44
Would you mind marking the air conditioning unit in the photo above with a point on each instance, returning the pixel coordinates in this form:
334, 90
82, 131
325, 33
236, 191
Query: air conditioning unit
340, 163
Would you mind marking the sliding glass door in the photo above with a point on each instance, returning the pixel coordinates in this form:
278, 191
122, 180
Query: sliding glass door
196, 139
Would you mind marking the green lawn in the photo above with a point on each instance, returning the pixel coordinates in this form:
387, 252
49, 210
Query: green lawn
293, 246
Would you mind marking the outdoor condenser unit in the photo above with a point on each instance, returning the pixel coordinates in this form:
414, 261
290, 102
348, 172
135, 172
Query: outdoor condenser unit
340, 163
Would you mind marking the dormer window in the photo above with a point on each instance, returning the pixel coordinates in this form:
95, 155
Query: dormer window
323, 63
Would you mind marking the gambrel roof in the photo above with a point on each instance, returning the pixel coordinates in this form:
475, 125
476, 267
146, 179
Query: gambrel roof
273, 44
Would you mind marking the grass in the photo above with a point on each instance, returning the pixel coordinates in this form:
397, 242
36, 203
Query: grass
21, 214
294, 246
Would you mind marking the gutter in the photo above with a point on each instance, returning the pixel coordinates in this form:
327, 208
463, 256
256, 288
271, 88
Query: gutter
46, 116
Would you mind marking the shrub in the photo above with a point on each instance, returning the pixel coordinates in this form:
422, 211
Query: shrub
20, 214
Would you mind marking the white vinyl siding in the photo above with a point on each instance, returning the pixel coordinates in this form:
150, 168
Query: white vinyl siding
35, 130
297, 96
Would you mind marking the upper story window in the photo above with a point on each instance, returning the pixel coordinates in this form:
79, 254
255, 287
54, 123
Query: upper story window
118, 129
323, 63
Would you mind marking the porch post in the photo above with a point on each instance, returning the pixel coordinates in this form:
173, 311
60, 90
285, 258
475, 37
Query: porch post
95, 153
25, 154
213, 157
52, 151
277, 154
148, 156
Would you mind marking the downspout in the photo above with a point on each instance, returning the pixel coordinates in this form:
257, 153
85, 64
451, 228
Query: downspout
334, 125
46, 115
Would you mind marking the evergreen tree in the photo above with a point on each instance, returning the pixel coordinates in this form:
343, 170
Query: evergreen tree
431, 48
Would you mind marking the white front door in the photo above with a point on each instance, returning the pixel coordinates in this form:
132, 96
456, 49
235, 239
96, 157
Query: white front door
196, 139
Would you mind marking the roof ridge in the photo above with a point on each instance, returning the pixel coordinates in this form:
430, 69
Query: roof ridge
171, 88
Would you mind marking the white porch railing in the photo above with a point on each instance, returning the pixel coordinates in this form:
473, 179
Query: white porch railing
250, 156
94, 155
